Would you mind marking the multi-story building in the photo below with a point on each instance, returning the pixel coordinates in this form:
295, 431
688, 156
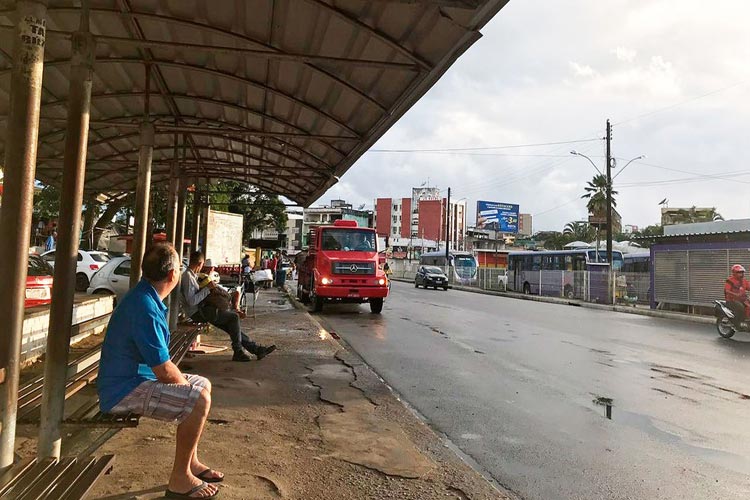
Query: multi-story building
337, 210
422, 216
294, 222
525, 225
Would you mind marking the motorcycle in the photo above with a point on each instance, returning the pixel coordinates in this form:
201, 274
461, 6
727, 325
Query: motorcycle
725, 320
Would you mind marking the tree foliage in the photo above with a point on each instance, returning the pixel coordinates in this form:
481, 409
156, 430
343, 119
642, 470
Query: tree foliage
596, 193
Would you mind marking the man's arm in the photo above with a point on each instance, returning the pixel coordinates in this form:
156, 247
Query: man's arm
168, 373
192, 292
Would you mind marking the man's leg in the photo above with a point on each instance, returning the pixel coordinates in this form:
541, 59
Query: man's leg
229, 321
196, 466
189, 432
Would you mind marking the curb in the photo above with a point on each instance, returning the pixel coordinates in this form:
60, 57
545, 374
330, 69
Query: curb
705, 320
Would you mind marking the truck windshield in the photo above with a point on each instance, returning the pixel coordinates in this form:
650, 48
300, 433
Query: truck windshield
348, 240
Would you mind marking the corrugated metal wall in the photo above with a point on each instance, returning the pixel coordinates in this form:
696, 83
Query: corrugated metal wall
694, 277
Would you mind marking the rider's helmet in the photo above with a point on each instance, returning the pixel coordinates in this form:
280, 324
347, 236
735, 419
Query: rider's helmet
737, 268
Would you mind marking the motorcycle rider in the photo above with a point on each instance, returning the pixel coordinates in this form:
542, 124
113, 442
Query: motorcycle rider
735, 293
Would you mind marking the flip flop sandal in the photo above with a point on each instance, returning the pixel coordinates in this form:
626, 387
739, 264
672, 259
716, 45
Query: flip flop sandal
202, 477
187, 496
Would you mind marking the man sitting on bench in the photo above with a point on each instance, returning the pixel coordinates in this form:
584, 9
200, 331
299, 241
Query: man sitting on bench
196, 308
137, 376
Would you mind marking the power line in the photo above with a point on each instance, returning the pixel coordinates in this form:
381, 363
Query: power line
487, 148
672, 106
705, 176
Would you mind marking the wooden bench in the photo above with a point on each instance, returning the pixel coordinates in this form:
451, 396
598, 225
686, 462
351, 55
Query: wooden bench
68, 478
83, 371
89, 414
71, 478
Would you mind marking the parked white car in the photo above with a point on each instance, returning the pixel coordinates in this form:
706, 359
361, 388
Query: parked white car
113, 278
89, 262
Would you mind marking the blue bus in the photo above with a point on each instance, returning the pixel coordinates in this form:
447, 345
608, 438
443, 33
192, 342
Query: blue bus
639, 262
581, 273
463, 265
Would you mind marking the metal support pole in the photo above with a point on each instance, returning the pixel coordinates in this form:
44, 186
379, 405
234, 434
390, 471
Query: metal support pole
22, 131
195, 229
143, 190
66, 255
171, 208
205, 207
172, 197
179, 239
609, 195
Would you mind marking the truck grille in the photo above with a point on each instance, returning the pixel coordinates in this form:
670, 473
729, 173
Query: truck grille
353, 268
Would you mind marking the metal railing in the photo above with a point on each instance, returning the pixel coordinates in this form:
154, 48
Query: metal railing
588, 286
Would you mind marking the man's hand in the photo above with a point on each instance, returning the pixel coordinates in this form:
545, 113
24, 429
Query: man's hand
168, 373
212, 284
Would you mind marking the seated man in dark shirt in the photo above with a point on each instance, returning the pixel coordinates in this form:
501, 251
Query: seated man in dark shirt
137, 376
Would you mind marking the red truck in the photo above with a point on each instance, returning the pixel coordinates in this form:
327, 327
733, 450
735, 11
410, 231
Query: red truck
342, 266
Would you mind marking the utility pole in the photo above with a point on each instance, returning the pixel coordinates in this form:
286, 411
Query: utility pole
447, 227
609, 194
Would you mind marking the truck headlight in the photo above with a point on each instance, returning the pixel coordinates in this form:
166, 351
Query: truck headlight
326, 281
381, 281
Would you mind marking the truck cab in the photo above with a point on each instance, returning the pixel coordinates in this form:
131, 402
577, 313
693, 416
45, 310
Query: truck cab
342, 265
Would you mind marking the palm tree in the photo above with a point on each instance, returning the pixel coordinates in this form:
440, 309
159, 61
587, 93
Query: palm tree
596, 193
578, 231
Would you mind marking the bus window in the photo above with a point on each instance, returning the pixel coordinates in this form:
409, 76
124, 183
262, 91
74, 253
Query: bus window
579, 262
536, 262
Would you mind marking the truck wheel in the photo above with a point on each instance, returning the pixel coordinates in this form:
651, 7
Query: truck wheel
376, 305
317, 304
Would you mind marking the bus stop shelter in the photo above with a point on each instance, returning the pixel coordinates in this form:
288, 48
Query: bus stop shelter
104, 97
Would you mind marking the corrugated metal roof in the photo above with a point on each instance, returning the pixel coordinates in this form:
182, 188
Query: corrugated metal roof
282, 94
714, 227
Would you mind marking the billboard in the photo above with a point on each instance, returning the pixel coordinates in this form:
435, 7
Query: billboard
496, 216
224, 237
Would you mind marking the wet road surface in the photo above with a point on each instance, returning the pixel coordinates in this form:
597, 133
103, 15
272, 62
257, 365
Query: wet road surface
522, 388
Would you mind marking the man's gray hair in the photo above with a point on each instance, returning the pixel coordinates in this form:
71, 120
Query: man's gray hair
158, 261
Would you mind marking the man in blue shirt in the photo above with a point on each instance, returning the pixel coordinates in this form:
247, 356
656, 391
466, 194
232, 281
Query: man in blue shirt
137, 376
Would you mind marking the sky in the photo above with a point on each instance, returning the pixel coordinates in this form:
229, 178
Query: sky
673, 76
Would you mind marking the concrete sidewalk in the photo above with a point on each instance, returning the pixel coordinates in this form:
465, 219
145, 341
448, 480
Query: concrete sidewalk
310, 421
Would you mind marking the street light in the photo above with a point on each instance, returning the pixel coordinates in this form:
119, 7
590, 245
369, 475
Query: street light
610, 180
576, 153
642, 157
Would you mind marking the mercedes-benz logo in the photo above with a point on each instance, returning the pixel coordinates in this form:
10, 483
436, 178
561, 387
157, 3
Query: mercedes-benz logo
353, 268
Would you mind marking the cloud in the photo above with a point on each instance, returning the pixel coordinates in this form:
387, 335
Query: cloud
547, 72
624, 54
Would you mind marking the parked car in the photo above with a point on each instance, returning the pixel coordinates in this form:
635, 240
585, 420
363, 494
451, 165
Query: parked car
502, 279
89, 262
113, 278
38, 282
431, 276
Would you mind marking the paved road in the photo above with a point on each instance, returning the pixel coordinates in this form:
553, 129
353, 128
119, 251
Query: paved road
515, 384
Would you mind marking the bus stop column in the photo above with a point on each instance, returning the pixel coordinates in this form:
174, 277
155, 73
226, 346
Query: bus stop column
174, 311
143, 188
205, 207
176, 232
66, 255
171, 205
18, 199
195, 229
